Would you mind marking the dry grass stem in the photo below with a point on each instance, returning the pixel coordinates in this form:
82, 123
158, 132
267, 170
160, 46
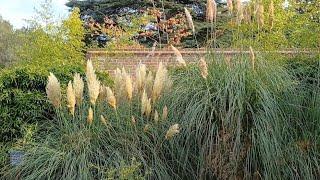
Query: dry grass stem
189, 20
71, 98
179, 57
90, 116
93, 83
203, 68
239, 12
78, 86
53, 90
173, 130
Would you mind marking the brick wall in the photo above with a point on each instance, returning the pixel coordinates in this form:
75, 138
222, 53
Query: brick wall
106, 60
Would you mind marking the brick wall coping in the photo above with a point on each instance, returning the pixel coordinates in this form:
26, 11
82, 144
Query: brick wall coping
193, 51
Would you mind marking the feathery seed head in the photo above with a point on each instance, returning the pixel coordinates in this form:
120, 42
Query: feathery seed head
90, 116
111, 99
204, 68
149, 83
178, 55
93, 83
78, 86
144, 102
71, 98
252, 57
103, 120
156, 116
164, 113
141, 73
189, 20
53, 90
260, 15
173, 130
129, 87
133, 120
159, 82
148, 108
211, 12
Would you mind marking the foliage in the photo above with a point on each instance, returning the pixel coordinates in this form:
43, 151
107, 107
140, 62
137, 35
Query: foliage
9, 42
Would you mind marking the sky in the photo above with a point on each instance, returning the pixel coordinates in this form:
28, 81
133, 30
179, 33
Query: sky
15, 11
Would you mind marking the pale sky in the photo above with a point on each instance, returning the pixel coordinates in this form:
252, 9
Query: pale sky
15, 11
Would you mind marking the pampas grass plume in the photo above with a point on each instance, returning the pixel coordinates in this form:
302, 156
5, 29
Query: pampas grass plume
71, 98
103, 120
53, 90
129, 87
148, 107
149, 83
90, 116
93, 83
111, 99
173, 130
209, 11
189, 20
164, 113
178, 55
144, 101
159, 82
78, 86
203, 68
260, 15
141, 73
156, 116
252, 57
